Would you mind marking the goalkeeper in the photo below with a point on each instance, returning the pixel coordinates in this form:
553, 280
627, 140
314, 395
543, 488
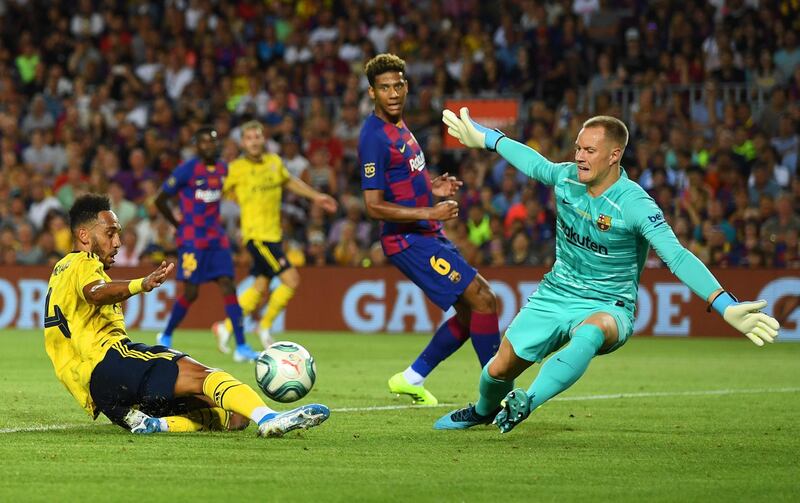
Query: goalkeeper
584, 306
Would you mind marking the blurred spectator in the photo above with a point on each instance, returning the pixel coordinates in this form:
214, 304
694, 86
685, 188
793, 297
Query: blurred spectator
105, 98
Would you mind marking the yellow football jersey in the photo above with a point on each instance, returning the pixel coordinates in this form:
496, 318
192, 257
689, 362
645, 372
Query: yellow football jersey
257, 186
78, 334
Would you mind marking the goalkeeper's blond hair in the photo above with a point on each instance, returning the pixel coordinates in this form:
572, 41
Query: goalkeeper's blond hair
615, 130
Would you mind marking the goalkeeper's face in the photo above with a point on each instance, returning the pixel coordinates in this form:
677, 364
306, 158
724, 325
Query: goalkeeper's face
596, 156
389, 94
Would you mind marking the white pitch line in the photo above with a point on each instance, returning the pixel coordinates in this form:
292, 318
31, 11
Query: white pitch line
652, 394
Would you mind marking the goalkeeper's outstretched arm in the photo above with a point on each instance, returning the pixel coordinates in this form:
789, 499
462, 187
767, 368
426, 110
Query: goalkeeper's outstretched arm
474, 135
746, 317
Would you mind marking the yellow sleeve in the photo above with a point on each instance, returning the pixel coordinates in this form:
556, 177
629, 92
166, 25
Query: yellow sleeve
89, 271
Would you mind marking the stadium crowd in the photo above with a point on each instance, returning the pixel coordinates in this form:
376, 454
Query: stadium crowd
104, 96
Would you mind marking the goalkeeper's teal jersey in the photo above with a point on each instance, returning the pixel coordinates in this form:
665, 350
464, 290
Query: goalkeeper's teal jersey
602, 242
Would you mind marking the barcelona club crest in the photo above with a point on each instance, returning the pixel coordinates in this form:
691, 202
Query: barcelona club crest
603, 222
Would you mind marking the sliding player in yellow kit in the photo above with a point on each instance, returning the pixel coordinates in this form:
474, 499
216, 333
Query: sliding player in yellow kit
256, 181
145, 389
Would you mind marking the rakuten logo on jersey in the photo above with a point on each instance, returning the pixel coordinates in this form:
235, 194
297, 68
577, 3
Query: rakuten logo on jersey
578, 239
417, 163
208, 195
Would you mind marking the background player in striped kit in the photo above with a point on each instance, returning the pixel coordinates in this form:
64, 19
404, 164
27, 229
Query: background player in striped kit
399, 192
203, 249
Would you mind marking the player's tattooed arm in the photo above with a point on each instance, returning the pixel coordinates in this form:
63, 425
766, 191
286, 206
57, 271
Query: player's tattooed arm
101, 293
162, 203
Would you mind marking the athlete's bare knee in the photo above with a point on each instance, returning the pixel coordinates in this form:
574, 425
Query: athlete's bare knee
191, 376
261, 284
607, 325
291, 278
481, 298
501, 369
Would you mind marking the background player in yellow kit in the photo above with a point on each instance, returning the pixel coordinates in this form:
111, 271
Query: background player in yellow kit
256, 181
143, 388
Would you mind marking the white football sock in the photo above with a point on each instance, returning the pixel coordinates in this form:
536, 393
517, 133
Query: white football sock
413, 377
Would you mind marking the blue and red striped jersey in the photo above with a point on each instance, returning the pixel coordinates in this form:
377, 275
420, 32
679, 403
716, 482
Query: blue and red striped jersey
391, 160
199, 190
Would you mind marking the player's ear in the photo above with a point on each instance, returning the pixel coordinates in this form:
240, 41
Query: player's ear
616, 155
371, 92
83, 235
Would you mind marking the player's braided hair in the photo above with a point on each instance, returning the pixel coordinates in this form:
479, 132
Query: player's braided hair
86, 208
383, 63
614, 128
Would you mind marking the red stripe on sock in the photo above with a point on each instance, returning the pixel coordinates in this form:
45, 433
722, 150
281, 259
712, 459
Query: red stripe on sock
183, 302
229, 299
483, 324
458, 330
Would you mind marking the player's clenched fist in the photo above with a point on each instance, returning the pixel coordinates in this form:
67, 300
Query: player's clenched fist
445, 210
157, 277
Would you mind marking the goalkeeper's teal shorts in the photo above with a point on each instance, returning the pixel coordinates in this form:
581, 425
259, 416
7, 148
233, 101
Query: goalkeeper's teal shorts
548, 320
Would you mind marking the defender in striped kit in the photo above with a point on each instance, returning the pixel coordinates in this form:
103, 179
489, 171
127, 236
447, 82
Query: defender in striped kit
399, 192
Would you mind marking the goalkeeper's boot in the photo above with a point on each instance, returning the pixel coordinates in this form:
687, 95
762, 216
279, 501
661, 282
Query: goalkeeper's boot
223, 336
420, 396
244, 353
163, 340
304, 417
461, 419
141, 423
515, 408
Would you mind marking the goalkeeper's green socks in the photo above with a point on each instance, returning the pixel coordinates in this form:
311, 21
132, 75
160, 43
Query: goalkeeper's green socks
564, 368
491, 391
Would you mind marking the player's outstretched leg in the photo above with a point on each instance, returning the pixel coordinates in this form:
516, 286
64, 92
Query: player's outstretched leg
558, 373
447, 339
231, 394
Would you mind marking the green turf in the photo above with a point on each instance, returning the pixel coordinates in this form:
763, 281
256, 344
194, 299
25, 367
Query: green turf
725, 447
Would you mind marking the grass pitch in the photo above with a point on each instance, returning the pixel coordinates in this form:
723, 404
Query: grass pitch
659, 420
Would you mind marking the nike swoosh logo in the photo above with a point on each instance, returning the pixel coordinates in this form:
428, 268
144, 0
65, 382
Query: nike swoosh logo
564, 201
565, 363
403, 149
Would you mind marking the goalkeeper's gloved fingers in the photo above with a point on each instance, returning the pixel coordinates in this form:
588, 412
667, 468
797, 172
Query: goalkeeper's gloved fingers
490, 136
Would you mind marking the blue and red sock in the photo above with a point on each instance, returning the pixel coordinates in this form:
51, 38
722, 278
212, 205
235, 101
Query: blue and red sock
447, 339
234, 312
179, 310
485, 335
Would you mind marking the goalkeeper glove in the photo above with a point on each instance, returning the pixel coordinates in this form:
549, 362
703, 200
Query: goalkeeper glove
470, 133
747, 318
